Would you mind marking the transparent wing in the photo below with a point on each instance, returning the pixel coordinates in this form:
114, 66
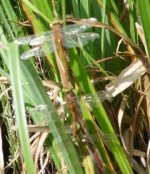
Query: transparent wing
38, 51
77, 28
74, 29
47, 47
79, 40
36, 39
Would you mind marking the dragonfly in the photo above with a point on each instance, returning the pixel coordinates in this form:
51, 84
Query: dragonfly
58, 39
74, 35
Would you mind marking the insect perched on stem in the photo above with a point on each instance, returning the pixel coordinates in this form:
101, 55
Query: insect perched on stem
57, 40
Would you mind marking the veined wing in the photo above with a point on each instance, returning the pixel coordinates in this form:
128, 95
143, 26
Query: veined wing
35, 39
77, 28
76, 40
79, 40
72, 36
38, 51
74, 29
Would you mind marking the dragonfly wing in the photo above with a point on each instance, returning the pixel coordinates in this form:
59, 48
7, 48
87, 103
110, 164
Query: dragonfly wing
45, 37
38, 39
74, 29
79, 40
35, 39
39, 51
77, 28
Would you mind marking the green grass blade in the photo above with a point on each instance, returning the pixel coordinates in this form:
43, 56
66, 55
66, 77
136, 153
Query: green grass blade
85, 10
103, 30
63, 5
75, 6
36, 10
132, 16
15, 74
5, 23
11, 17
144, 8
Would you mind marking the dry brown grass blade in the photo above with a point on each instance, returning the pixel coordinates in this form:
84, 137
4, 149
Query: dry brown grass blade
125, 78
146, 88
40, 145
141, 35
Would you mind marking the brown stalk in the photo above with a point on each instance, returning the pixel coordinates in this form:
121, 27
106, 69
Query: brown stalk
61, 56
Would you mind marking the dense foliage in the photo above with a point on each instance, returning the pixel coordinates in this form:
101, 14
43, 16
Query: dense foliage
79, 103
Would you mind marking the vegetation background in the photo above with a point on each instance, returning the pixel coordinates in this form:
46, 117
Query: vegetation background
40, 140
